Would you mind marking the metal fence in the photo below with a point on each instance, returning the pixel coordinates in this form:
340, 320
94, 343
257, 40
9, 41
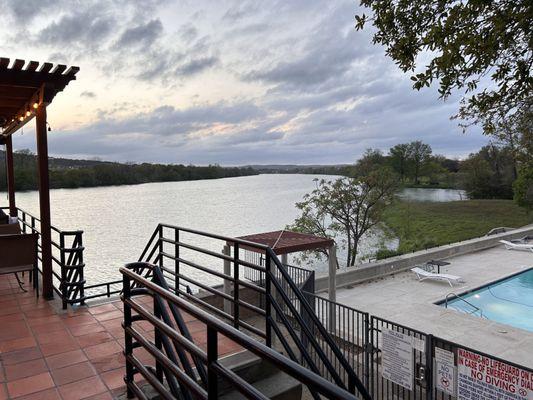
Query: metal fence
67, 258
398, 362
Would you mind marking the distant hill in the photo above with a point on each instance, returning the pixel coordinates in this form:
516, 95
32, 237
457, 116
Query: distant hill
339, 169
68, 173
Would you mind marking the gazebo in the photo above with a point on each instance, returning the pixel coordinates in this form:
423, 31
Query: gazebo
26, 90
285, 242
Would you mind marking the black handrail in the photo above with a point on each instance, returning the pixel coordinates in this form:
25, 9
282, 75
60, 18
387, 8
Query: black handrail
316, 348
66, 258
215, 327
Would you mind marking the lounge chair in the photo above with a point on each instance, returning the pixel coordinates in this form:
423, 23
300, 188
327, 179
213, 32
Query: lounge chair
422, 274
19, 254
517, 246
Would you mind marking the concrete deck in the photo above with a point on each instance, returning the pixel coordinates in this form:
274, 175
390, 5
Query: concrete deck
47, 353
403, 299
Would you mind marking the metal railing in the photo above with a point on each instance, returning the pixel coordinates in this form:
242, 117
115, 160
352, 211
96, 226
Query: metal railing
67, 258
455, 295
274, 311
173, 342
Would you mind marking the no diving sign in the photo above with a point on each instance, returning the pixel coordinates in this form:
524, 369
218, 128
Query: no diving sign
481, 377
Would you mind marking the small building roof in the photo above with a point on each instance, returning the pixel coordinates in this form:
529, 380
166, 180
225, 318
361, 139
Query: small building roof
25, 84
285, 242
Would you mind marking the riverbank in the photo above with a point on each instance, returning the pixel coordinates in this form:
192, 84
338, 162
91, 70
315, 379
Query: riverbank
421, 225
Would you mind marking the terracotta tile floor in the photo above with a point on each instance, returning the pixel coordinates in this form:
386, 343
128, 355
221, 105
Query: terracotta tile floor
47, 353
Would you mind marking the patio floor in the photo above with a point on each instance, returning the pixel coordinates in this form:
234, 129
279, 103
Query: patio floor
47, 353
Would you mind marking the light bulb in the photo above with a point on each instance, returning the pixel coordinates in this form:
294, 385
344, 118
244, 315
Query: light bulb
35, 105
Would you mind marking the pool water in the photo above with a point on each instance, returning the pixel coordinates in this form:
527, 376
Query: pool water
509, 301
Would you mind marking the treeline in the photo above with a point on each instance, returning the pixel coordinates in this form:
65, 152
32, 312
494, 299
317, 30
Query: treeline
414, 163
66, 173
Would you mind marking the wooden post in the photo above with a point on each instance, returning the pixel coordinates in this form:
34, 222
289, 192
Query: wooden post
44, 201
332, 286
284, 260
10, 176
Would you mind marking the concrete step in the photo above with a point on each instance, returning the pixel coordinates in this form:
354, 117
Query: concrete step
278, 386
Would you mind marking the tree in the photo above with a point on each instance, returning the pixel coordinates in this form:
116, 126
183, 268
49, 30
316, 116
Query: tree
465, 42
371, 160
399, 158
523, 189
489, 173
346, 208
419, 153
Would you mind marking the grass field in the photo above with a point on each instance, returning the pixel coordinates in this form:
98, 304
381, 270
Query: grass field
421, 225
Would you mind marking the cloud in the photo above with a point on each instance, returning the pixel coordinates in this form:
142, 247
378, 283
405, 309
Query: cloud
196, 66
236, 82
143, 35
88, 94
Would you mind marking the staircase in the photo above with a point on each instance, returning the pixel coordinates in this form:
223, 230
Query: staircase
284, 322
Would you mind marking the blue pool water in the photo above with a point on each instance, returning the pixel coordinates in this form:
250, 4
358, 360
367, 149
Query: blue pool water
509, 301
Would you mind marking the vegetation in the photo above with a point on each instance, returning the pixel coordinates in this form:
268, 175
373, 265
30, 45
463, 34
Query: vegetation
346, 209
66, 173
459, 44
421, 225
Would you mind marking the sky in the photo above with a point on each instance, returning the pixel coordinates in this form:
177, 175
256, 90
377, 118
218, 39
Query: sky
233, 82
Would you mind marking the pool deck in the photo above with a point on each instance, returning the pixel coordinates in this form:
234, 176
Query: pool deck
50, 354
401, 298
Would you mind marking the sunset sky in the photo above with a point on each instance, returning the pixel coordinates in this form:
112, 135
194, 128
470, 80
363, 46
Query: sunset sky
229, 82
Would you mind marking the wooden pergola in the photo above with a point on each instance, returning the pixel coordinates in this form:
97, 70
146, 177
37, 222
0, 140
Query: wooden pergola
26, 89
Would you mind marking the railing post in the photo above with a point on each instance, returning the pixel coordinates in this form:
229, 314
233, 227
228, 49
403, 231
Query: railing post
128, 341
367, 348
157, 336
212, 358
176, 261
81, 268
227, 283
332, 287
268, 300
160, 245
63, 283
236, 307
429, 367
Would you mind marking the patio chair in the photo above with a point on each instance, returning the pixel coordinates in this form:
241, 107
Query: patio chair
19, 254
422, 275
10, 229
517, 246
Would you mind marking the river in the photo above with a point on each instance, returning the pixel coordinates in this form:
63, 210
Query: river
118, 220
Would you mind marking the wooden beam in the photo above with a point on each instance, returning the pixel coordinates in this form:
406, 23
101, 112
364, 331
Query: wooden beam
18, 64
44, 202
10, 172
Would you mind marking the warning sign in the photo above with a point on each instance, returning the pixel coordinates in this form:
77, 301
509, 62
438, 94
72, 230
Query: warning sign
397, 358
445, 371
481, 377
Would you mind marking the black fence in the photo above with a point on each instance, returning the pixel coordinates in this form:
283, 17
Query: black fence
398, 362
67, 258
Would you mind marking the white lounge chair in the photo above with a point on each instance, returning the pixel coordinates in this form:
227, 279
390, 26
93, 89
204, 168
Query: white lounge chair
422, 274
517, 246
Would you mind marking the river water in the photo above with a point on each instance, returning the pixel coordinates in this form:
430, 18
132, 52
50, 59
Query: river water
118, 220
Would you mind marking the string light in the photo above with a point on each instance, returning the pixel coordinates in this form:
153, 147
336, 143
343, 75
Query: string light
28, 113
21, 118
35, 105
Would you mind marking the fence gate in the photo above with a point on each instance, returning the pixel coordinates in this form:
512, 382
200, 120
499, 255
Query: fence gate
399, 361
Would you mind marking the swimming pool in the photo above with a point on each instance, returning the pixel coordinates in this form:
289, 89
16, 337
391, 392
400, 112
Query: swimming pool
509, 301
